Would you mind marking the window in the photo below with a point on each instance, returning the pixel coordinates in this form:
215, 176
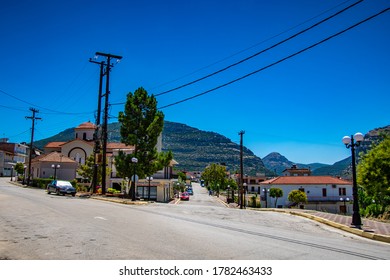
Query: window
324, 192
78, 158
342, 191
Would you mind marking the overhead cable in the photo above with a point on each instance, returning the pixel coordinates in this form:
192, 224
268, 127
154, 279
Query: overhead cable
277, 62
255, 45
262, 51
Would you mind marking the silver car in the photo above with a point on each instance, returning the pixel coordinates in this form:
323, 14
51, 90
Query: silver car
61, 187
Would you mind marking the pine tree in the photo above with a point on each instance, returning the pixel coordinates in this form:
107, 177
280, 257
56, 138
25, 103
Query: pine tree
141, 125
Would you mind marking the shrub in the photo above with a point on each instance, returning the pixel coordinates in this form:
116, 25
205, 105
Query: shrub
113, 191
41, 182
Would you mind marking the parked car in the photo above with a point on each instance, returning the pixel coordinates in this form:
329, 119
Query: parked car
190, 191
184, 196
61, 187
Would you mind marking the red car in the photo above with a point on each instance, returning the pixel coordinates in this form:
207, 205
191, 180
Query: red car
184, 196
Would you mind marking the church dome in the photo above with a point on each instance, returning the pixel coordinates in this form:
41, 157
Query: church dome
86, 125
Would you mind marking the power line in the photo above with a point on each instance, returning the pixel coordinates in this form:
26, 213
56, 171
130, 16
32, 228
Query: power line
277, 62
13, 108
251, 47
50, 110
262, 51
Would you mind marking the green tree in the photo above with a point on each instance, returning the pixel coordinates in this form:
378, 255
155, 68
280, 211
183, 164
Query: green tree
19, 168
163, 160
215, 177
373, 174
182, 176
86, 170
297, 196
275, 193
141, 125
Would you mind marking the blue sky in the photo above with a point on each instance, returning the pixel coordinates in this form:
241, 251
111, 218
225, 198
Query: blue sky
301, 107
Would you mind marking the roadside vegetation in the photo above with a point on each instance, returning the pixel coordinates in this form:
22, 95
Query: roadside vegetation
373, 178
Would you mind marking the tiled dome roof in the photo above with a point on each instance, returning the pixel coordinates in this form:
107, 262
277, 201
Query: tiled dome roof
86, 125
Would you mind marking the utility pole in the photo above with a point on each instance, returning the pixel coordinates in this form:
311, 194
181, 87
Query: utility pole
241, 133
106, 73
96, 149
33, 118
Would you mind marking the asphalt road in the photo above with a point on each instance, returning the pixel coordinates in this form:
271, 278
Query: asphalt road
38, 226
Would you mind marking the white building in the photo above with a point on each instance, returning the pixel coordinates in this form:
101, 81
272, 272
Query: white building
11, 154
324, 193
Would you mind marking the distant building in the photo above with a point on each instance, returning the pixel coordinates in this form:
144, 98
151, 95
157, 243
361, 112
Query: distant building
10, 155
252, 183
295, 171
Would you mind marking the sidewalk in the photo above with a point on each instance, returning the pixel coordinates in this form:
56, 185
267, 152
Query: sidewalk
372, 229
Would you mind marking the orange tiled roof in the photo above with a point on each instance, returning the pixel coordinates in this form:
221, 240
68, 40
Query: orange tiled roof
86, 125
306, 180
53, 157
115, 145
54, 144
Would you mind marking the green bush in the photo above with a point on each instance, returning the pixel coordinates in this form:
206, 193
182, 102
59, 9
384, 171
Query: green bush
113, 191
41, 182
81, 188
373, 210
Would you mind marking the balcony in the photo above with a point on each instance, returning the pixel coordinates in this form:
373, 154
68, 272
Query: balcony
333, 199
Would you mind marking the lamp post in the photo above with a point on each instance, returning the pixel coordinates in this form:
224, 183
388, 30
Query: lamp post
265, 197
345, 205
150, 178
55, 167
352, 142
134, 160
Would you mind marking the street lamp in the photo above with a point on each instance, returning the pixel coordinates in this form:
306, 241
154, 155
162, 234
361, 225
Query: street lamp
134, 160
150, 178
265, 197
55, 167
352, 142
345, 205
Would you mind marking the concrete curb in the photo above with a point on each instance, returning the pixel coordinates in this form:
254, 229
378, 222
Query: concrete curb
359, 232
120, 201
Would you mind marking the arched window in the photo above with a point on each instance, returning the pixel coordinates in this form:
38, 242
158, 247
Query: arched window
77, 158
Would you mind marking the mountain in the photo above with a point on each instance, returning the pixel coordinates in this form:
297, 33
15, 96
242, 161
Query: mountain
192, 148
337, 169
277, 163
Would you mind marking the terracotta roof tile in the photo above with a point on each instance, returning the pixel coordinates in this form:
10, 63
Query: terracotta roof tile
53, 157
86, 125
114, 145
306, 180
54, 144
